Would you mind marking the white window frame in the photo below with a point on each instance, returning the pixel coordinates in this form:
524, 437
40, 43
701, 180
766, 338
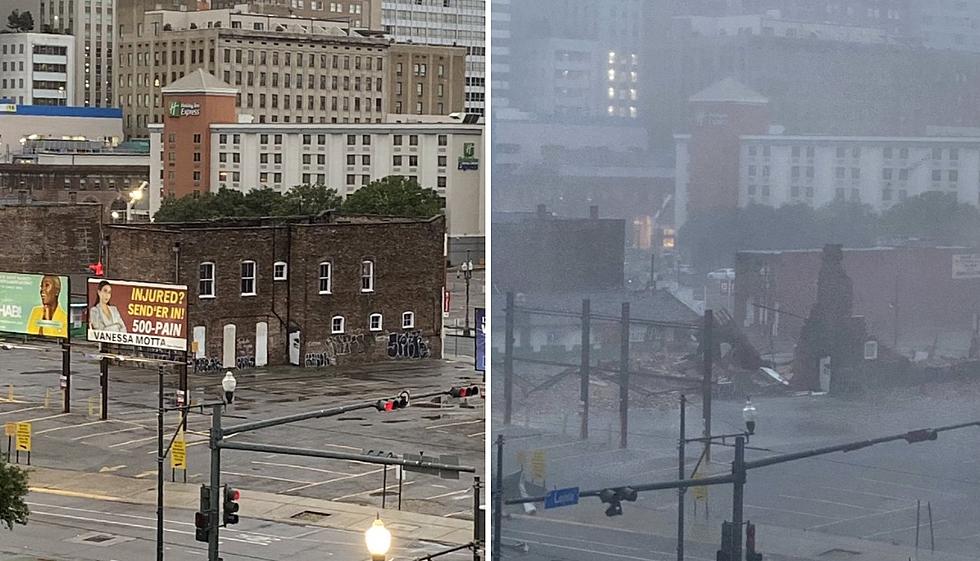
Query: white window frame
410, 317
329, 277
285, 271
253, 292
369, 277
333, 325
211, 280
371, 319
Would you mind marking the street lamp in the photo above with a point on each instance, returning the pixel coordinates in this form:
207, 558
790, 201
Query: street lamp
748, 414
135, 196
228, 383
378, 540
466, 267
115, 215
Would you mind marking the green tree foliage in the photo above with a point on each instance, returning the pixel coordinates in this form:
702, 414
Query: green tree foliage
395, 196
227, 203
19, 22
933, 216
13, 491
711, 238
308, 199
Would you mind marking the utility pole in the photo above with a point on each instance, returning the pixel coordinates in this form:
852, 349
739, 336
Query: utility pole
585, 366
708, 355
509, 358
160, 465
624, 377
738, 488
213, 517
680, 476
498, 501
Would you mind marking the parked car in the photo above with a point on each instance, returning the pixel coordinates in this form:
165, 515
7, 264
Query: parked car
722, 274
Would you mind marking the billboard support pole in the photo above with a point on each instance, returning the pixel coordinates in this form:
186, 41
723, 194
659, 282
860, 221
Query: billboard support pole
66, 372
104, 379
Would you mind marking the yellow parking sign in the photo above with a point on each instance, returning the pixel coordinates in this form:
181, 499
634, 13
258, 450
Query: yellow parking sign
10, 429
178, 453
23, 437
538, 464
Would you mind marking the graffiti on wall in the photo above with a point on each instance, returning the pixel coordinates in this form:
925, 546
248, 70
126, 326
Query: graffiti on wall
334, 347
318, 360
243, 362
207, 364
408, 345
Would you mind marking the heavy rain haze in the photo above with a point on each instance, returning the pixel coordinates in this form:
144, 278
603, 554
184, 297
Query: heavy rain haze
736, 240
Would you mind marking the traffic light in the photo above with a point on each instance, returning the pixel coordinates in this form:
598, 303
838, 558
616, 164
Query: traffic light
400, 402
97, 269
615, 497
471, 391
750, 554
202, 518
231, 506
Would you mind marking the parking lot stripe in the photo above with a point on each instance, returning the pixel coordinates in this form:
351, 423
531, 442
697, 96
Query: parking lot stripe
369, 491
451, 493
862, 517
98, 434
456, 423
255, 475
317, 484
318, 470
906, 529
792, 512
825, 501
45, 431
46, 418
22, 410
853, 491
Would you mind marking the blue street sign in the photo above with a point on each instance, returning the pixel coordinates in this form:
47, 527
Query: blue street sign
561, 497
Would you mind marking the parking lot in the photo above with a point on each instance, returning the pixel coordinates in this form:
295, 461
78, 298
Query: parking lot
126, 443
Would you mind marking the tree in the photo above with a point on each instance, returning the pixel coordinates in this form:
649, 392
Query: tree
308, 199
395, 196
934, 216
20, 22
13, 491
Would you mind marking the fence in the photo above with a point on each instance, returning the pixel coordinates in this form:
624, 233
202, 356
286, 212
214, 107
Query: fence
546, 353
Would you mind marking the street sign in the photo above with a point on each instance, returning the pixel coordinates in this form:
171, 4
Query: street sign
561, 497
23, 437
10, 429
178, 453
422, 459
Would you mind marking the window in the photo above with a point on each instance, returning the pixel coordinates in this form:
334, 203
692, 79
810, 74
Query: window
248, 278
337, 325
397, 140
408, 320
413, 140
325, 278
374, 321
205, 280
443, 140
367, 275
279, 271
937, 175
442, 161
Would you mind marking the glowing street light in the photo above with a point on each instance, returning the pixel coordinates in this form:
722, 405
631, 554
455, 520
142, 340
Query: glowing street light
378, 540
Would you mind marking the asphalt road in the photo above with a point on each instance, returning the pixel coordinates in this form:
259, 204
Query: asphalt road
870, 494
126, 443
66, 528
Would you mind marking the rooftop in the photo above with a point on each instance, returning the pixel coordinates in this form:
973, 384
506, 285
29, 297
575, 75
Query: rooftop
7, 107
729, 90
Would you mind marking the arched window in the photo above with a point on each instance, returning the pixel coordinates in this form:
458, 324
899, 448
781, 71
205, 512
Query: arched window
337, 325
367, 275
374, 322
408, 320
325, 268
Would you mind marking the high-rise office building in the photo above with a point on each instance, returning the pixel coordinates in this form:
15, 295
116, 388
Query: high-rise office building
359, 14
37, 68
93, 24
444, 22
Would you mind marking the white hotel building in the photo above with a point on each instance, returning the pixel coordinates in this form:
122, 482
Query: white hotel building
777, 170
447, 157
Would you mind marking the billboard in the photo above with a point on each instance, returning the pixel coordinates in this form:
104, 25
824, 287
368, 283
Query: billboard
480, 316
966, 266
34, 304
137, 313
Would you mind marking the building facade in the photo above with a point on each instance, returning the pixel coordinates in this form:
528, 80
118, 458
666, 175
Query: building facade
444, 22
426, 80
500, 62
37, 68
287, 70
29, 123
359, 14
314, 293
93, 25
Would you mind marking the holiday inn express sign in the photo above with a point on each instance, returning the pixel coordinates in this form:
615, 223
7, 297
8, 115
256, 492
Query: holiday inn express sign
180, 109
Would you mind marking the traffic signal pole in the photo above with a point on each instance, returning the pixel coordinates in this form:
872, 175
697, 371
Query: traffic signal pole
738, 488
213, 443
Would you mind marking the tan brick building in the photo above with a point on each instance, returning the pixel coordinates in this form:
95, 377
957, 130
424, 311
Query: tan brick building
426, 79
288, 70
359, 14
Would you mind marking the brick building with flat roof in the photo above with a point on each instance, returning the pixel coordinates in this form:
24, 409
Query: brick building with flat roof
308, 291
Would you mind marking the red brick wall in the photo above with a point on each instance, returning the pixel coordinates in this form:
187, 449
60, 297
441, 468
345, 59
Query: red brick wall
930, 301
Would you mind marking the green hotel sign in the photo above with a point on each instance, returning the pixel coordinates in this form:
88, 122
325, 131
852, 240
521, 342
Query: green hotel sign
181, 109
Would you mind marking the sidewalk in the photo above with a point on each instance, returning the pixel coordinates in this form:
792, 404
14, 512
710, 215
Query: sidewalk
266, 506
